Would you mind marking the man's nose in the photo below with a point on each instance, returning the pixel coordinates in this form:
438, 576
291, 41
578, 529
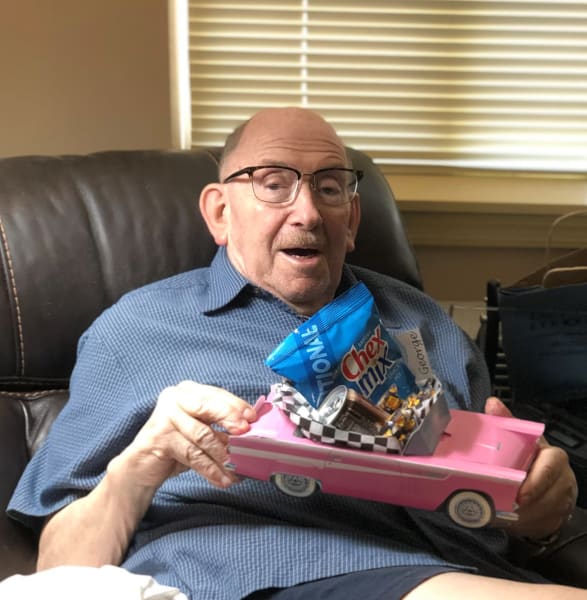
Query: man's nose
307, 187
307, 202
307, 183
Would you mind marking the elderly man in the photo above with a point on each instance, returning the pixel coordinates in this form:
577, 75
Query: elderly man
163, 375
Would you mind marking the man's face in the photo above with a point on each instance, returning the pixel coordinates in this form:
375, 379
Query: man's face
295, 251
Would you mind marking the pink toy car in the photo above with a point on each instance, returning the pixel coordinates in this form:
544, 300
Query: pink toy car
474, 473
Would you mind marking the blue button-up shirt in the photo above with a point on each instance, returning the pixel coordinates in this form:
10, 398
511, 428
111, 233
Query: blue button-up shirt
212, 326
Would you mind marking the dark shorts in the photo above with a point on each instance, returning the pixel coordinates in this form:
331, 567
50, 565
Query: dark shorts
390, 583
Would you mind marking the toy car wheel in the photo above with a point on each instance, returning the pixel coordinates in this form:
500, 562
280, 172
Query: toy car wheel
295, 485
470, 509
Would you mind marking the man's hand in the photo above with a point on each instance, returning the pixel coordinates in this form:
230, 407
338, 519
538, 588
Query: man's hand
178, 436
549, 493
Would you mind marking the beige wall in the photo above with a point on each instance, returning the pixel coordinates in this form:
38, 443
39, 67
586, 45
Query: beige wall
462, 273
460, 248
83, 75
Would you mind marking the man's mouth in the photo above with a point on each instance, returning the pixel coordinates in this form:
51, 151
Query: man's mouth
301, 252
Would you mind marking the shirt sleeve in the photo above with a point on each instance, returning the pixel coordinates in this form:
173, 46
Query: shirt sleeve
100, 419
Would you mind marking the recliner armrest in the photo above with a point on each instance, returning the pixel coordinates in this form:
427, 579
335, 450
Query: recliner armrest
18, 546
25, 420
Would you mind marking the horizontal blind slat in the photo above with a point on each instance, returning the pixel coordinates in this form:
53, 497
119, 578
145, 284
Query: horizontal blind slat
492, 82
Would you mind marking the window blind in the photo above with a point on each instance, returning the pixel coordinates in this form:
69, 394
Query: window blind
467, 83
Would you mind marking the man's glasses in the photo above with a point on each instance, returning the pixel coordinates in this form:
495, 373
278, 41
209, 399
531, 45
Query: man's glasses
276, 184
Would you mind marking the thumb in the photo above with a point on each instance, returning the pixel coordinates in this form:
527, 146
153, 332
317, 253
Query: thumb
494, 406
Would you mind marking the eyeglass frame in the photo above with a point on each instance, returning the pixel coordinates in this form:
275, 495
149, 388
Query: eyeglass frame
250, 170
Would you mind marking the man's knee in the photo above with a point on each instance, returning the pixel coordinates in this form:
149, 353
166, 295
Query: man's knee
455, 584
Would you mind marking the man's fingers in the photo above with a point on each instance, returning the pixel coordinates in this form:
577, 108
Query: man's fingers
186, 422
200, 437
548, 495
494, 406
210, 405
549, 473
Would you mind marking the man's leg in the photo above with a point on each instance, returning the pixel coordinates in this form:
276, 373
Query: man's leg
465, 585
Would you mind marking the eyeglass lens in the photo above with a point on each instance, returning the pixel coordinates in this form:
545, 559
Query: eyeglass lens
334, 186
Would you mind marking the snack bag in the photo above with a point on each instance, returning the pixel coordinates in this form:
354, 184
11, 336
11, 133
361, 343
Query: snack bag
344, 343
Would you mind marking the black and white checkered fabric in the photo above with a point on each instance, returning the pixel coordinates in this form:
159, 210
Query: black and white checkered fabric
307, 418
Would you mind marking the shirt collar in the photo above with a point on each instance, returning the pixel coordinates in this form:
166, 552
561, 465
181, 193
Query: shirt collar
347, 280
226, 283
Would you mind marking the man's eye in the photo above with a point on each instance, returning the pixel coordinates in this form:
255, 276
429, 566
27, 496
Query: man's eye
275, 183
330, 187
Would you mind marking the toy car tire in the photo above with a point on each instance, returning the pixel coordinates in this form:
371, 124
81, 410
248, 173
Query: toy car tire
470, 509
295, 485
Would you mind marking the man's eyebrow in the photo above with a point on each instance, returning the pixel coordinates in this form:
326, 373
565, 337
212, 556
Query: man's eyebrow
278, 163
273, 163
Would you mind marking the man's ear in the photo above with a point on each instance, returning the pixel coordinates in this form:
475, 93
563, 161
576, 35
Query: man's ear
215, 211
354, 220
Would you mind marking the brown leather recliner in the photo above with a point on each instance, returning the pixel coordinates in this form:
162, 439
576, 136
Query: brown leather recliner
77, 232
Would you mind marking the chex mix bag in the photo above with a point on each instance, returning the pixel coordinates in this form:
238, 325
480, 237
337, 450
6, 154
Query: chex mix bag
348, 381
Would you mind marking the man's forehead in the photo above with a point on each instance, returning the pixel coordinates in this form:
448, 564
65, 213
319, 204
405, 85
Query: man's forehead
286, 115
271, 133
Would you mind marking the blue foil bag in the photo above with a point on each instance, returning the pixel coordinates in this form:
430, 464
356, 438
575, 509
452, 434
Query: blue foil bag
344, 343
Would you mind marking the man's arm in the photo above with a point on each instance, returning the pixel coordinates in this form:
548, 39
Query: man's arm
97, 529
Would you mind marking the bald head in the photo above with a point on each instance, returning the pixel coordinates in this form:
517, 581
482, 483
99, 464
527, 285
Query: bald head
288, 124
